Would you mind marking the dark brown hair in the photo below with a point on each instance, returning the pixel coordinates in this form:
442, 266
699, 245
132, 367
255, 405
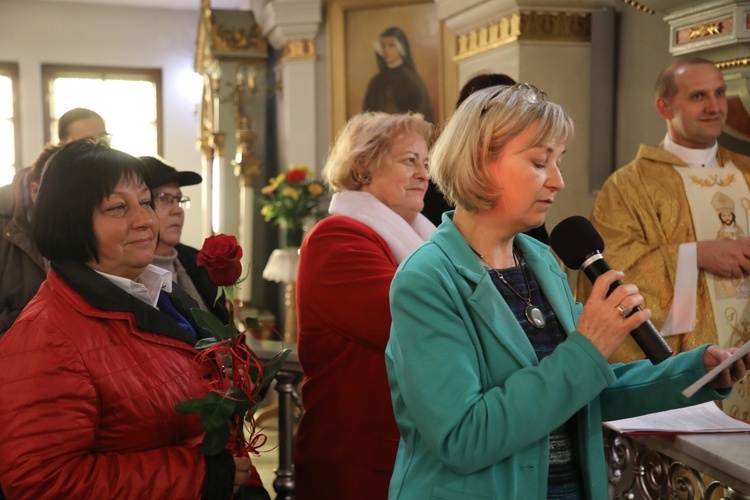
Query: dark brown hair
74, 183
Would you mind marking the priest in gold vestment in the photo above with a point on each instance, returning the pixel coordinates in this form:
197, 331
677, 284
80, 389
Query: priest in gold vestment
651, 211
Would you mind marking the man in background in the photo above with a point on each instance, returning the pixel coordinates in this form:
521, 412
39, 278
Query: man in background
22, 268
661, 215
80, 123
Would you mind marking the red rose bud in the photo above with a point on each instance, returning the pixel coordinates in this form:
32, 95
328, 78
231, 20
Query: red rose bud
221, 256
295, 176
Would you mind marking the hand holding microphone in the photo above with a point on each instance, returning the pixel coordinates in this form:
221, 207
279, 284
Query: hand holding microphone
613, 308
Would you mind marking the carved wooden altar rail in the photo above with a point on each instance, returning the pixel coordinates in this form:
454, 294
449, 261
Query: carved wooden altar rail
287, 380
671, 467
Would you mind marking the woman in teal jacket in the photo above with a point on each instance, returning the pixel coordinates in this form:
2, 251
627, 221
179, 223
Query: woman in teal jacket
499, 379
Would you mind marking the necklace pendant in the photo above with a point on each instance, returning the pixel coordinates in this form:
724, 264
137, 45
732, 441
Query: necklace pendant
535, 316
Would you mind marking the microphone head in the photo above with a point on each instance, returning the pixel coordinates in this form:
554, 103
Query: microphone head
574, 239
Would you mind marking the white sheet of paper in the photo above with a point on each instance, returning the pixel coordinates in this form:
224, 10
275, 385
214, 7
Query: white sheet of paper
708, 377
703, 418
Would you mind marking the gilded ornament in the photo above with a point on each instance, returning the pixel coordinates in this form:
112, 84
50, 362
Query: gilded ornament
640, 6
705, 30
713, 180
233, 38
298, 50
526, 26
733, 63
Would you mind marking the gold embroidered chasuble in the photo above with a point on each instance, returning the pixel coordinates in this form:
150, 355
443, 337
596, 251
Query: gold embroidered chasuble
643, 215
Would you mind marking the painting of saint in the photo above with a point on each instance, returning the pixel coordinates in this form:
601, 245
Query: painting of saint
385, 57
724, 206
728, 228
397, 87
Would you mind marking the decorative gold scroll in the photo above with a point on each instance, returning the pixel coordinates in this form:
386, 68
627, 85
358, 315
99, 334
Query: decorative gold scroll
232, 39
298, 50
711, 28
704, 30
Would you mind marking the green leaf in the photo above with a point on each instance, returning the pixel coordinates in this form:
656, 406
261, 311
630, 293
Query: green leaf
211, 323
243, 407
216, 410
190, 406
219, 293
252, 322
242, 403
253, 373
205, 343
215, 440
274, 365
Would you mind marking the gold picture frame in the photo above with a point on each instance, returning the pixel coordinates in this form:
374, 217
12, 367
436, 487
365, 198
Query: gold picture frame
354, 26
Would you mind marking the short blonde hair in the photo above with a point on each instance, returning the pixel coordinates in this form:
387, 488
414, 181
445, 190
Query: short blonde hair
365, 140
477, 133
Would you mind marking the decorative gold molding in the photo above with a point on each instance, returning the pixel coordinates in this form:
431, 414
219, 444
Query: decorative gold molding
708, 29
733, 63
298, 50
218, 39
640, 6
232, 38
711, 28
525, 26
202, 49
246, 165
217, 139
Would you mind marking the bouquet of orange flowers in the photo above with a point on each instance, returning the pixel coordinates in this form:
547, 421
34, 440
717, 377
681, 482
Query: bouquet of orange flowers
291, 197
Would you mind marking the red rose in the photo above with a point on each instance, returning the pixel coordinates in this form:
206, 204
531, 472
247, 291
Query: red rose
221, 256
295, 176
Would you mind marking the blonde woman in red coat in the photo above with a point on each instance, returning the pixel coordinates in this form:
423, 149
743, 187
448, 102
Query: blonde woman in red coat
91, 370
347, 439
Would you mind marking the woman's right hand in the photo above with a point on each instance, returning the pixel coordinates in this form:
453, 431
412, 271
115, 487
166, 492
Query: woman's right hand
601, 321
242, 467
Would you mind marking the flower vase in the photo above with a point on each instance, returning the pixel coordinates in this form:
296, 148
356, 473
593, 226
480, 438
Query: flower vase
291, 237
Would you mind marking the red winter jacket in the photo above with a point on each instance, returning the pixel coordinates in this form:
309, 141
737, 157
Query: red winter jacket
347, 439
87, 394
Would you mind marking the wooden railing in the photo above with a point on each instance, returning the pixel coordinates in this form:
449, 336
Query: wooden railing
287, 381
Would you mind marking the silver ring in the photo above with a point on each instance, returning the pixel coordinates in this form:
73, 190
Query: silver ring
624, 310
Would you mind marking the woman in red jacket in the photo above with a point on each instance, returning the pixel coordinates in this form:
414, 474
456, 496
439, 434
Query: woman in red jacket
92, 369
347, 438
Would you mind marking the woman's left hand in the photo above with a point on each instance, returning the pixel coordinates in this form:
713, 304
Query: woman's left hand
731, 375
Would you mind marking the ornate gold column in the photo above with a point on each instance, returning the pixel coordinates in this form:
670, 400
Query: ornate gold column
231, 54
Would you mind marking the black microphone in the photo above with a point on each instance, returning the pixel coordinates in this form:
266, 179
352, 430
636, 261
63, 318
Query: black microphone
579, 245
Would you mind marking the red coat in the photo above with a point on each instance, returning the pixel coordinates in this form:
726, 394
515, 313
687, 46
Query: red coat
347, 439
87, 400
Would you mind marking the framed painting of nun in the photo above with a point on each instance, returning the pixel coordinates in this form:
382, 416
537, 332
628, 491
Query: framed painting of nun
384, 55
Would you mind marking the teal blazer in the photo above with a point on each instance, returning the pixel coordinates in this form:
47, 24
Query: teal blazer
473, 404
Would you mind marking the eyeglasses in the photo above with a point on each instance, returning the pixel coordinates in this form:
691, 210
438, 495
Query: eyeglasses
168, 199
529, 92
